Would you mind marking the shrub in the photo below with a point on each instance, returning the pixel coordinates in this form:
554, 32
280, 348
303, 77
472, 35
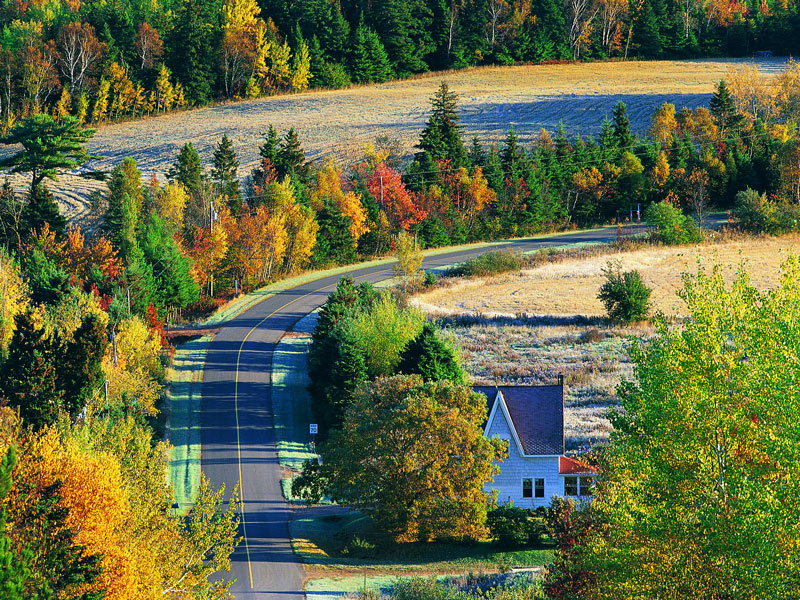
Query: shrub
514, 526
756, 213
671, 226
624, 295
429, 279
490, 263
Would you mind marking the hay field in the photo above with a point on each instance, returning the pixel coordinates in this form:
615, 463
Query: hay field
492, 99
570, 287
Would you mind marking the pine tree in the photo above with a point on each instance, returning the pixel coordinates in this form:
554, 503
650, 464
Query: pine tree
404, 27
360, 63
441, 138
29, 380
171, 269
622, 127
428, 355
290, 159
42, 210
269, 149
192, 54
380, 66
13, 565
188, 170
646, 32
723, 109
224, 173
512, 155
79, 370
125, 200
475, 155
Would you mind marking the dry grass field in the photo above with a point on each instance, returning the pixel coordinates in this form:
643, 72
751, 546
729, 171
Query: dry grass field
531, 326
570, 287
340, 122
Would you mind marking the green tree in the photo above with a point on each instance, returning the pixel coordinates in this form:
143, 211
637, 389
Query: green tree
13, 568
701, 478
441, 137
431, 357
42, 209
191, 49
393, 458
624, 295
172, 279
723, 109
29, 377
224, 173
80, 367
290, 158
622, 127
47, 145
188, 170
125, 199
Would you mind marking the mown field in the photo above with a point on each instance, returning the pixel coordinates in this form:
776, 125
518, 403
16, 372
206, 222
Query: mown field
530, 326
340, 122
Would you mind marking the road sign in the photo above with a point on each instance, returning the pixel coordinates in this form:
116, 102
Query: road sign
313, 428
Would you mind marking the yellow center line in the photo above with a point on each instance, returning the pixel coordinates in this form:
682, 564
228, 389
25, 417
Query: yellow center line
236, 406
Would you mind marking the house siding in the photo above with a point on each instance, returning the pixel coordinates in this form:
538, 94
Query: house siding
515, 468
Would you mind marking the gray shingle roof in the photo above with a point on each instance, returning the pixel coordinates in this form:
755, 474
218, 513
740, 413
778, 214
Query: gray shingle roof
537, 415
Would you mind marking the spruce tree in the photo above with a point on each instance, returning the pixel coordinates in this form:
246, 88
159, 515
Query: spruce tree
428, 355
42, 209
380, 66
646, 32
269, 149
512, 155
80, 370
125, 200
360, 63
188, 170
290, 159
224, 173
171, 269
475, 155
723, 109
192, 54
29, 379
14, 571
622, 127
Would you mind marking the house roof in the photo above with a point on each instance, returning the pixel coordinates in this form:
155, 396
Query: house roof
570, 466
536, 413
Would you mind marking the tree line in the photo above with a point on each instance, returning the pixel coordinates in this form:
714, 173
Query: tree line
101, 61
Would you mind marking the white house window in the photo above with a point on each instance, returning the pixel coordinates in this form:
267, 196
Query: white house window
538, 487
577, 486
527, 488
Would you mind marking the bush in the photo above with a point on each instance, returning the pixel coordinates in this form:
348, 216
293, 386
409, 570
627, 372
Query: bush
671, 226
514, 526
756, 213
490, 263
429, 279
624, 295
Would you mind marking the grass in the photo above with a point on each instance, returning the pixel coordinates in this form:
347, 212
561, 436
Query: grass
185, 378
569, 287
321, 542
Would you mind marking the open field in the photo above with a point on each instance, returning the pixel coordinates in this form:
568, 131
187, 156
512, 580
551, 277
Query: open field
492, 99
570, 287
531, 326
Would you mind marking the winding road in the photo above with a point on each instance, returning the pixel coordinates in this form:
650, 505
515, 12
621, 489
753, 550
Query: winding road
238, 439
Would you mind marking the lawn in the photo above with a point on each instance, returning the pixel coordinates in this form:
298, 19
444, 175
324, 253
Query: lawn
342, 543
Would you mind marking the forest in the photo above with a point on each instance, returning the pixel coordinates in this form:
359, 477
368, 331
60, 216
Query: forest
103, 61
83, 501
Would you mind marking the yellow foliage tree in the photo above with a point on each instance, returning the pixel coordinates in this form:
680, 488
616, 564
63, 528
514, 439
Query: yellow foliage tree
663, 123
660, 172
164, 92
302, 69
13, 297
170, 204
64, 104
329, 185
280, 57
100, 109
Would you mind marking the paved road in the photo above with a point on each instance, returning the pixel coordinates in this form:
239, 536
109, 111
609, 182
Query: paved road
238, 440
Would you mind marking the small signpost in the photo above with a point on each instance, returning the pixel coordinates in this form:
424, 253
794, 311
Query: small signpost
313, 429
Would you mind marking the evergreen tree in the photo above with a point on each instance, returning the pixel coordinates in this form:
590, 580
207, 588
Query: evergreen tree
224, 173
188, 170
79, 369
380, 68
723, 109
404, 27
269, 149
475, 155
646, 32
29, 380
290, 159
47, 281
172, 279
42, 209
125, 199
512, 155
441, 137
360, 63
14, 570
622, 127
191, 46
428, 355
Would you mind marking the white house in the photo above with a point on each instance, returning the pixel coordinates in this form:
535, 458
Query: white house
531, 419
